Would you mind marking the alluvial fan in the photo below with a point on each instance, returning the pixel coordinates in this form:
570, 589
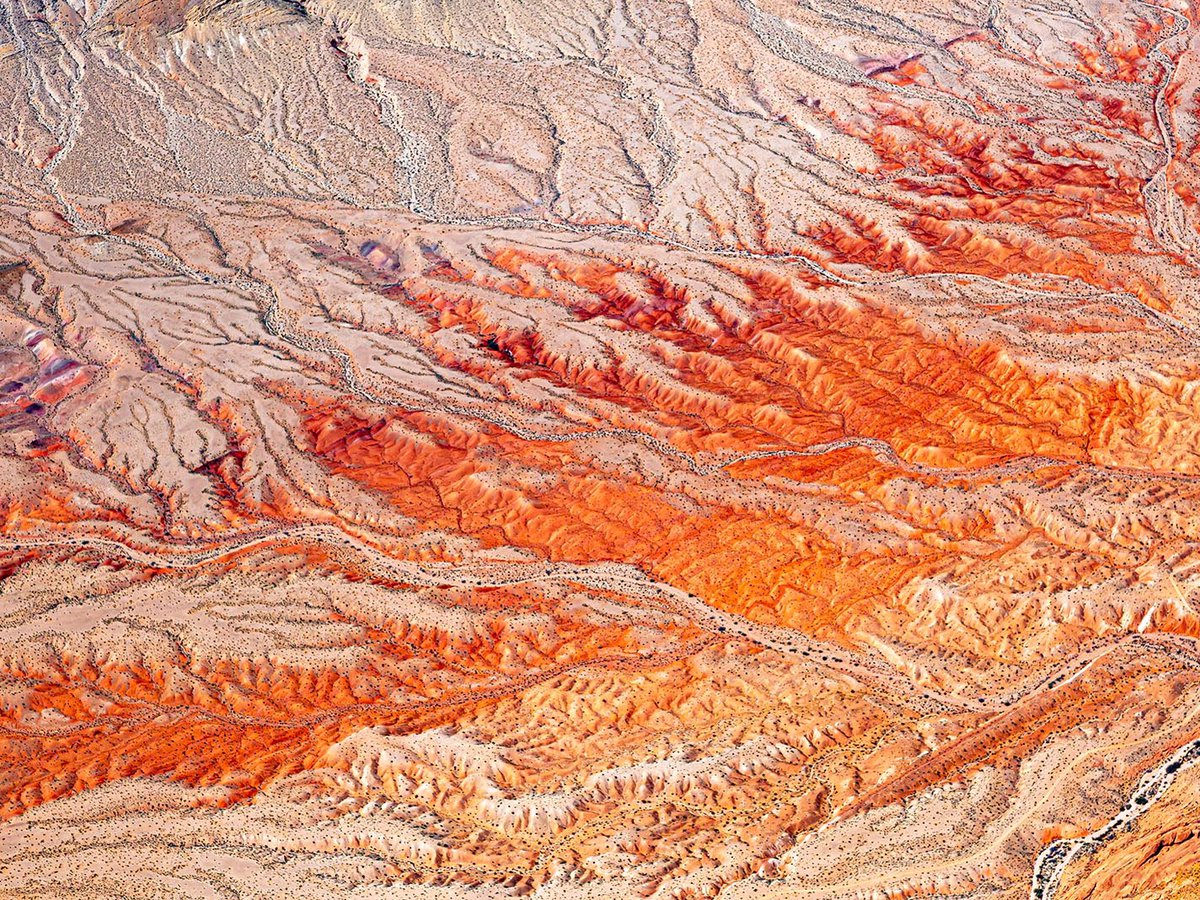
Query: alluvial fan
599, 449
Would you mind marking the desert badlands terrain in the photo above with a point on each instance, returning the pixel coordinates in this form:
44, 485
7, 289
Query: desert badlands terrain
599, 449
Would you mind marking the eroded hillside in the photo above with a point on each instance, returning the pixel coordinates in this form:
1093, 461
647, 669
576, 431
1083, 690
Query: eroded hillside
596, 449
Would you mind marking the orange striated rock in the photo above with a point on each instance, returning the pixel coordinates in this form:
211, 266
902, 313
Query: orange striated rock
1155, 859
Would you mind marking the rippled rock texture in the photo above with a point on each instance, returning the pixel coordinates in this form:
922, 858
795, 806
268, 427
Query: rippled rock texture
597, 448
